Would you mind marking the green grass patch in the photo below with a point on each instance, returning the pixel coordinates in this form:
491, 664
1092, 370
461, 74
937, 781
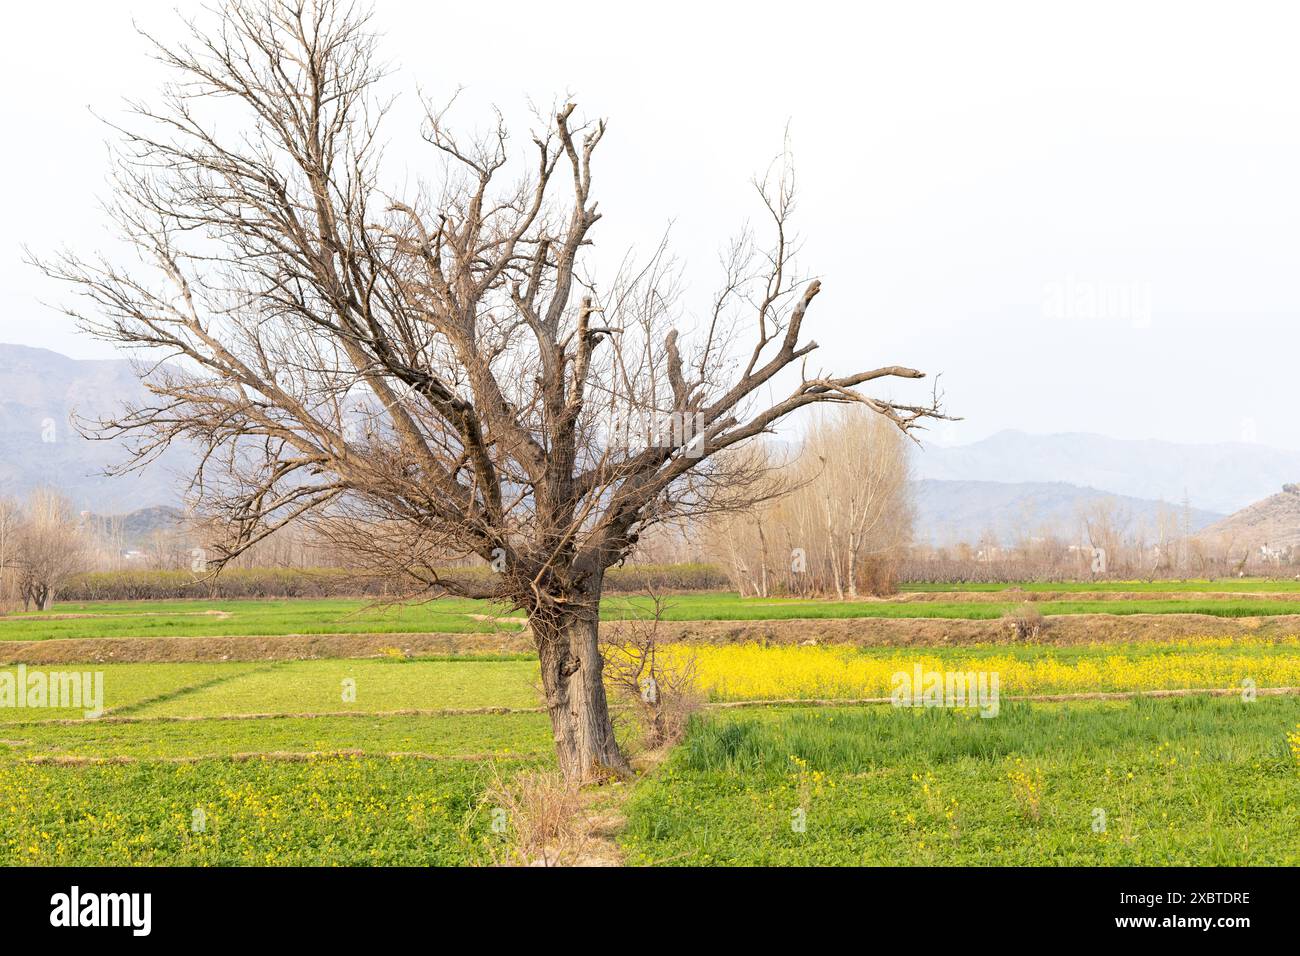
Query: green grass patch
256, 617
731, 607
496, 735
319, 686
1203, 585
1185, 781
126, 686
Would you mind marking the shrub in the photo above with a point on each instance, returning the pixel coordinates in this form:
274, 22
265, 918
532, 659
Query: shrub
541, 811
1026, 623
235, 583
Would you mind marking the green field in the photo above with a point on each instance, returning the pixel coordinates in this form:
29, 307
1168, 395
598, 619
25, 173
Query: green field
381, 685
734, 608
254, 617
1193, 585
133, 685
464, 735
304, 788
1181, 782
461, 616
386, 760
377, 685
212, 689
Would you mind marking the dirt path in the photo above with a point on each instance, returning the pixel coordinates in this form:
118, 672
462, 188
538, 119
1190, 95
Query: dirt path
602, 818
602, 821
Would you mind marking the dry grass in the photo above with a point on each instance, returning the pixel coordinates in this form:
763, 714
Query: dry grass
1025, 623
660, 691
542, 817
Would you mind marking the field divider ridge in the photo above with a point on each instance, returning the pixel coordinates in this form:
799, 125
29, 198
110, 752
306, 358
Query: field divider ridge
275, 756
288, 715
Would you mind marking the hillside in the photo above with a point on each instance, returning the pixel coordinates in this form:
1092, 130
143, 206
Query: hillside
1273, 523
952, 511
40, 391
1220, 478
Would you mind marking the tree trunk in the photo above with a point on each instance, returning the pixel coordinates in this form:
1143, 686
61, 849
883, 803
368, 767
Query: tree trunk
853, 569
571, 665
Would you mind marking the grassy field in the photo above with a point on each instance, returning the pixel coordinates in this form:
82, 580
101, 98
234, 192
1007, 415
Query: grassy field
391, 761
306, 787
253, 617
214, 689
731, 607
1185, 781
376, 685
461, 616
480, 736
1193, 585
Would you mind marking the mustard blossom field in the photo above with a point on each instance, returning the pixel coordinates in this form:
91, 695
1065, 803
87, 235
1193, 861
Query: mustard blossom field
754, 672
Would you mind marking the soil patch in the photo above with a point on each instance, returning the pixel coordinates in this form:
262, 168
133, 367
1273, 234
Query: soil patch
1061, 630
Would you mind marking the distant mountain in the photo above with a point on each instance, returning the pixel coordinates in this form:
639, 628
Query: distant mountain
137, 530
1272, 523
1220, 478
39, 391
991, 483
948, 512
139, 526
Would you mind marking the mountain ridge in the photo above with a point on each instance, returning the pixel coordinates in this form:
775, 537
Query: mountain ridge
40, 388
1269, 525
39, 391
950, 512
1222, 477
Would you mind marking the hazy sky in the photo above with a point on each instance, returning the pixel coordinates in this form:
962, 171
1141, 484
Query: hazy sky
1086, 216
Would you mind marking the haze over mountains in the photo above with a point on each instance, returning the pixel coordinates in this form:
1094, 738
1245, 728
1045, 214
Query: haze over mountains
1221, 478
1011, 483
949, 512
39, 391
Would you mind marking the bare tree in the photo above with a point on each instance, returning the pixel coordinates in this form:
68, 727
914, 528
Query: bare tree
436, 371
866, 472
50, 547
1104, 524
844, 517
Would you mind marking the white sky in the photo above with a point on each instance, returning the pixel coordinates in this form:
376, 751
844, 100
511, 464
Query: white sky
1085, 215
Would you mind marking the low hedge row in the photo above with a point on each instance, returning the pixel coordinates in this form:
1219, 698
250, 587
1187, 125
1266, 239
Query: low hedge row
237, 583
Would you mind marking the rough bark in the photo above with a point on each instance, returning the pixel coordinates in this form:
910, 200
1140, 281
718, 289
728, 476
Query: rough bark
571, 665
